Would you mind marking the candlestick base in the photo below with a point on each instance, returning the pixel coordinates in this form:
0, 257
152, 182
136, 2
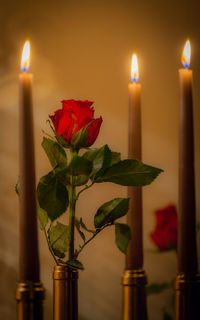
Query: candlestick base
65, 293
187, 297
30, 296
134, 295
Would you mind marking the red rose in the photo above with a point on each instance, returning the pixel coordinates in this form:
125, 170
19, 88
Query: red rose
74, 116
165, 234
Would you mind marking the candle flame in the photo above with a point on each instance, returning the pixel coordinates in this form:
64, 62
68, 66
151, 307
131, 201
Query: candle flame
186, 54
134, 69
25, 61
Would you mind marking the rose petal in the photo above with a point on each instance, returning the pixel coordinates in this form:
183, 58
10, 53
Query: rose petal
56, 118
93, 131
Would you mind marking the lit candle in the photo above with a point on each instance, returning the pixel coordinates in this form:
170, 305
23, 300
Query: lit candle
134, 256
28, 255
187, 249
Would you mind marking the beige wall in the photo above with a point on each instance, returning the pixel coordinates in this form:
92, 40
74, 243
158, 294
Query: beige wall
82, 49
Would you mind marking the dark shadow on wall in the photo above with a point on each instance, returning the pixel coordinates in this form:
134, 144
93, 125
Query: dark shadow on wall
8, 199
8, 280
8, 215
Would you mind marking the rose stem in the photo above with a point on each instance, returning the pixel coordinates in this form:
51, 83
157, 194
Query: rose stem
72, 205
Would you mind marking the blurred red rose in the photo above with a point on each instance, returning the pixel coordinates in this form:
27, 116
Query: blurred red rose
165, 234
74, 116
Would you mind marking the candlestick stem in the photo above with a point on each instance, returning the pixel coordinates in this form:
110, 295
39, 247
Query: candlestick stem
134, 295
187, 297
30, 296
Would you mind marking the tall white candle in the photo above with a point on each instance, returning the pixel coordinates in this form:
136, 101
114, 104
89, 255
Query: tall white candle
28, 257
187, 249
134, 256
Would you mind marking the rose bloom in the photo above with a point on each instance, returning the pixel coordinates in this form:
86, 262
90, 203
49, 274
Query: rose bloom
165, 233
75, 115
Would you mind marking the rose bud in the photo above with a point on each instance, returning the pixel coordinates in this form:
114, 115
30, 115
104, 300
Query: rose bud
165, 233
76, 124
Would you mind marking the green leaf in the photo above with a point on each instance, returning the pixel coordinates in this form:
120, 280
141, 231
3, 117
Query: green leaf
122, 236
84, 226
110, 211
52, 195
60, 138
43, 217
116, 157
75, 264
59, 239
156, 288
17, 188
77, 225
80, 180
80, 139
58, 254
80, 166
101, 159
130, 173
54, 152
91, 154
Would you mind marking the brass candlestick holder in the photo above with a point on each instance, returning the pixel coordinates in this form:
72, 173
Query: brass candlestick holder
187, 297
30, 296
134, 295
65, 293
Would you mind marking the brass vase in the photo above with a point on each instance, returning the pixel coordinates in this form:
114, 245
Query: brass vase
30, 296
134, 295
187, 297
65, 293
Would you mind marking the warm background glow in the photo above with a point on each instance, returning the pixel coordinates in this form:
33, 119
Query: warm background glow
25, 61
82, 50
